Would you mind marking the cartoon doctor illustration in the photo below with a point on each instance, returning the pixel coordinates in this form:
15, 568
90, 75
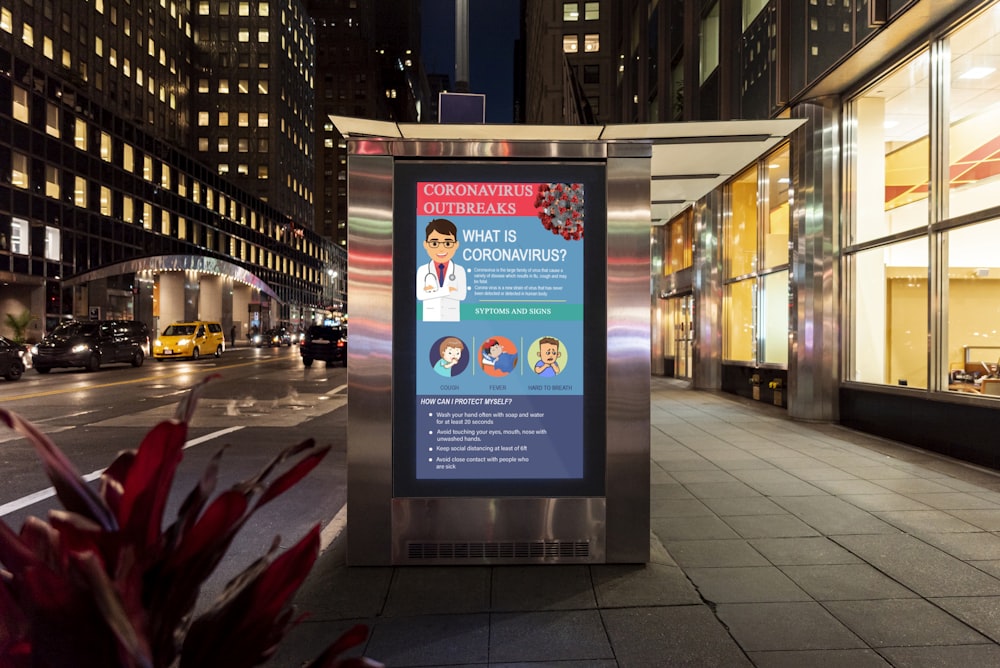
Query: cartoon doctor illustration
441, 282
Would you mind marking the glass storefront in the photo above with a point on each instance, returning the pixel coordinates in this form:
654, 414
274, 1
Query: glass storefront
756, 260
923, 170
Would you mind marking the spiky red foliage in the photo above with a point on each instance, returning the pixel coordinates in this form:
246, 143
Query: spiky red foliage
102, 580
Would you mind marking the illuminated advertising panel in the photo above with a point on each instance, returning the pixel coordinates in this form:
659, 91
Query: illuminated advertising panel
499, 329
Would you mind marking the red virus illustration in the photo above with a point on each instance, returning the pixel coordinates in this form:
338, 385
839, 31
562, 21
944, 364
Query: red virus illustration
560, 208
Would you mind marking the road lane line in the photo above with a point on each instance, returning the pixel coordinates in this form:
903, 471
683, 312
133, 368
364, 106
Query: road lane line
336, 389
35, 497
215, 368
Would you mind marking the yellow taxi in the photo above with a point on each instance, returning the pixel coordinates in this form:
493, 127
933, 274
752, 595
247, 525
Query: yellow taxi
189, 340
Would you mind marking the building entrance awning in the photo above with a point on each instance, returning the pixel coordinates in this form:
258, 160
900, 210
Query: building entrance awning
689, 160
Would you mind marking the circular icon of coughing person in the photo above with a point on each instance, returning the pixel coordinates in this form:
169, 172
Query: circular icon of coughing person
448, 356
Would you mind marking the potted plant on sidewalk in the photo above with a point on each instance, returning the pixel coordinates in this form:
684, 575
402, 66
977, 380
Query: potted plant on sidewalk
101, 583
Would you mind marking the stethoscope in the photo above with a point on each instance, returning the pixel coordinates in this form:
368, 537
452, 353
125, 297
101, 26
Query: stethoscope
432, 275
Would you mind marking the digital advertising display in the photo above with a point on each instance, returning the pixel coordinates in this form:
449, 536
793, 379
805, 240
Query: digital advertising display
499, 328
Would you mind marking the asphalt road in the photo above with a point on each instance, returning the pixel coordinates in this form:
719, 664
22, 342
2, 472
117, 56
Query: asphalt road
262, 401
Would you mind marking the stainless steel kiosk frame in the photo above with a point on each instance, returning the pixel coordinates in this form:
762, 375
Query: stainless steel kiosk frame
383, 529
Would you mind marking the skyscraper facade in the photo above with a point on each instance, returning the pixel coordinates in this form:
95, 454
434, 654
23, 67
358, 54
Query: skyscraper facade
150, 140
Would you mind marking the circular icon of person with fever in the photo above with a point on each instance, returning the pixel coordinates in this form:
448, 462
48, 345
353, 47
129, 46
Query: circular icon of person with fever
498, 356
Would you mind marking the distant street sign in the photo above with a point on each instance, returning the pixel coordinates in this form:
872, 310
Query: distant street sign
461, 108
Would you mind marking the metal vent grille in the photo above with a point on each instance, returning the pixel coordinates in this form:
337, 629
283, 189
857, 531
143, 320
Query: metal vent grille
542, 550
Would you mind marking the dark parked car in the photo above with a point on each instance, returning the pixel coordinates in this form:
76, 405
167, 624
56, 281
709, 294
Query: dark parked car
12, 359
276, 336
325, 343
91, 343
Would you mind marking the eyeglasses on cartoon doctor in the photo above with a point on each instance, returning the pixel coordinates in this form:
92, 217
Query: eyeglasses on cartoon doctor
441, 283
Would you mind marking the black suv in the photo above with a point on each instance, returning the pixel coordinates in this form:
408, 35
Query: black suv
12, 359
91, 343
325, 343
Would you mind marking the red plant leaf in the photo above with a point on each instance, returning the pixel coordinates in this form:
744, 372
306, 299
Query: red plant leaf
217, 525
113, 480
74, 493
352, 637
246, 624
293, 475
147, 485
194, 503
14, 554
113, 611
186, 406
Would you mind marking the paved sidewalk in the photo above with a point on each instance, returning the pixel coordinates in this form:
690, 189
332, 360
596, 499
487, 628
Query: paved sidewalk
774, 543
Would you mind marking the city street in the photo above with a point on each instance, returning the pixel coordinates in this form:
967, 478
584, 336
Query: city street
262, 401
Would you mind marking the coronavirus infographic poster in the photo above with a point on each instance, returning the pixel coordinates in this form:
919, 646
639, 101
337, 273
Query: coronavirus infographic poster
499, 343
500, 331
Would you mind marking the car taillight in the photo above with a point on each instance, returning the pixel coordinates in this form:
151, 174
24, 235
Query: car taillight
340, 344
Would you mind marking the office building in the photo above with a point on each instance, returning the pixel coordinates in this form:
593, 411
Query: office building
848, 276
135, 187
368, 67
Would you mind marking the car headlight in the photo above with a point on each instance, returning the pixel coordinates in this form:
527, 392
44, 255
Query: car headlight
79, 348
34, 350
183, 342
157, 343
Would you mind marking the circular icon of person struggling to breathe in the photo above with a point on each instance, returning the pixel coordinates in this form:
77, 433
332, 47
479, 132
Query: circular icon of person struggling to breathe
448, 357
550, 357
498, 356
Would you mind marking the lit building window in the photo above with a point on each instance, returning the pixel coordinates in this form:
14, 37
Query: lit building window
105, 147
243, 145
262, 86
164, 222
28, 35
202, 119
223, 144
98, 47
113, 57
571, 11
263, 35
128, 214
20, 104
80, 192
52, 245
52, 182
243, 119
203, 8
202, 85
80, 134
128, 159
591, 11
243, 35
592, 42
223, 119
224, 86
47, 49
223, 168
261, 171
5, 20
19, 170
165, 176
263, 9
571, 44
19, 236
147, 215
244, 9
67, 59
243, 169
147, 168
243, 86
105, 201
262, 119
51, 120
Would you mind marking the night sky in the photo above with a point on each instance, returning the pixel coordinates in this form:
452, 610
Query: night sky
493, 28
